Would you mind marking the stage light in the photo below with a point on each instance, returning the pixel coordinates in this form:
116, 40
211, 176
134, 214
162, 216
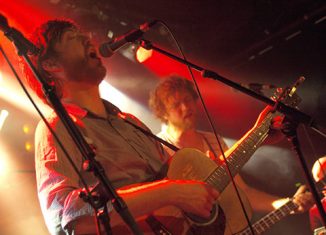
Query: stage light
28, 146
26, 129
143, 54
135, 53
3, 116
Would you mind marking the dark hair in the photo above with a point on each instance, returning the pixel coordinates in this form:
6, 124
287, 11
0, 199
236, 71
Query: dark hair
45, 37
168, 87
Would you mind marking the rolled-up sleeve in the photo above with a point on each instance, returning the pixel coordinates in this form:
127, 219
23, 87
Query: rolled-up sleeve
57, 182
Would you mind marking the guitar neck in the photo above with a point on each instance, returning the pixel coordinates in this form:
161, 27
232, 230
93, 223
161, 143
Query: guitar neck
270, 219
240, 155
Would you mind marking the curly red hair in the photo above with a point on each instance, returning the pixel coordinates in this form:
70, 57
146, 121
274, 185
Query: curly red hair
168, 87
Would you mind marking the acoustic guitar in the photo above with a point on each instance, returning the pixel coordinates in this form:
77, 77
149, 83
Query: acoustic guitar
191, 164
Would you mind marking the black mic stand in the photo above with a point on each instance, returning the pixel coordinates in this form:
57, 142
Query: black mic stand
293, 114
292, 136
97, 201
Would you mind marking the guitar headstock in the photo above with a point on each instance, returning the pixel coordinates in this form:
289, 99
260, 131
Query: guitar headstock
288, 95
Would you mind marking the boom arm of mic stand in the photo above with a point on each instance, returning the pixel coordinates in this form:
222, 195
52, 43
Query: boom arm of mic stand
81, 143
294, 114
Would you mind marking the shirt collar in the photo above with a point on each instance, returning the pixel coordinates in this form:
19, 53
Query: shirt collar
80, 112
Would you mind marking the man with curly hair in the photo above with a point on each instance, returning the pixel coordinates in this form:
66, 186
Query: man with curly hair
174, 102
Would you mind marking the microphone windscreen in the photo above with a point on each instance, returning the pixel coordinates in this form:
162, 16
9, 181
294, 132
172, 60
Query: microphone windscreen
105, 50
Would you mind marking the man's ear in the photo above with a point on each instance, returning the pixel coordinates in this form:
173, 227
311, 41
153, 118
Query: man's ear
51, 65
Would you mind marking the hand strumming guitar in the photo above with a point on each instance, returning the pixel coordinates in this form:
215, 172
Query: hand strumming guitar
194, 197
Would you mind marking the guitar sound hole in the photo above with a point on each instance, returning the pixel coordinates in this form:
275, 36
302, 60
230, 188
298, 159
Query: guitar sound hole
200, 221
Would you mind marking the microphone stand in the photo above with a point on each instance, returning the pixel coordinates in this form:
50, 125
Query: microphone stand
295, 115
95, 198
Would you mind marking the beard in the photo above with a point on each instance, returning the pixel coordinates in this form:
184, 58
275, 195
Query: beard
85, 70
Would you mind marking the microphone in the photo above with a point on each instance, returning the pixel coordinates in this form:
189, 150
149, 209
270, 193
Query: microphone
17, 37
107, 49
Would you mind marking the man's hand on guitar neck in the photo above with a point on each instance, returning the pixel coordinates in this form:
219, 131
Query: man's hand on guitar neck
303, 198
194, 197
275, 133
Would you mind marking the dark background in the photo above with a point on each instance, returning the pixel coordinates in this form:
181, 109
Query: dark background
267, 42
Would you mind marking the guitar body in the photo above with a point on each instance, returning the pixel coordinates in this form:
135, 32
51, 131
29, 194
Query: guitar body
191, 164
230, 219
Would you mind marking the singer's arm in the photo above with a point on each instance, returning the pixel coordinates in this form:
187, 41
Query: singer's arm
58, 187
190, 196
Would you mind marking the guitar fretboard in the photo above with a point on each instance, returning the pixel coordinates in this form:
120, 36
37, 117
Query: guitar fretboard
270, 219
240, 155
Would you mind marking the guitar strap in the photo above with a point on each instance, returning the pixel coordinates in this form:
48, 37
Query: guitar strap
151, 135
